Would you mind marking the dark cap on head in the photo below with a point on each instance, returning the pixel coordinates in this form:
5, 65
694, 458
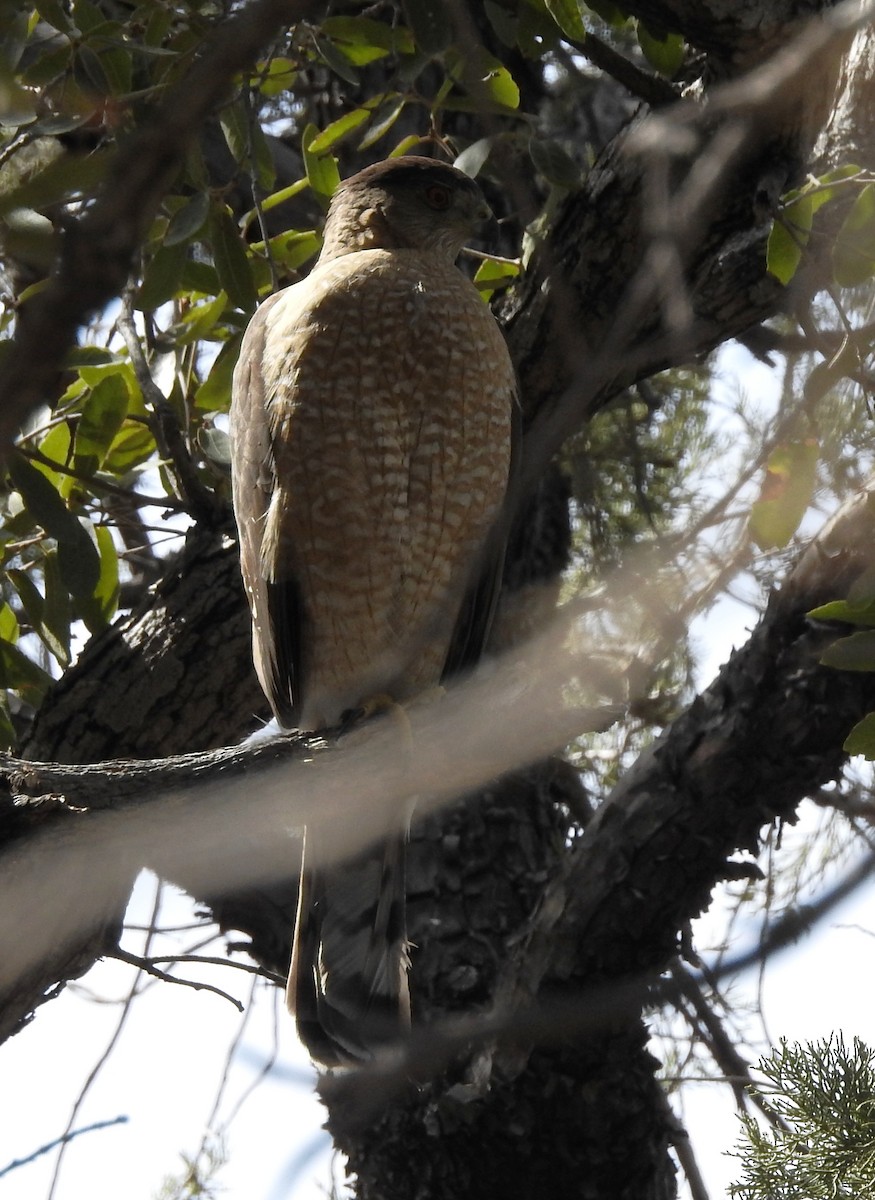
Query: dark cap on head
404, 203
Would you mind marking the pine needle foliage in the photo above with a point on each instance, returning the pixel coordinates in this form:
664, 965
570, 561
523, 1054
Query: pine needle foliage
822, 1145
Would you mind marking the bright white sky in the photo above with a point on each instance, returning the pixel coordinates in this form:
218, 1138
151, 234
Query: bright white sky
166, 1069
164, 1073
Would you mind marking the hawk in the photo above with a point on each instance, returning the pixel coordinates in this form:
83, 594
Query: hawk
372, 427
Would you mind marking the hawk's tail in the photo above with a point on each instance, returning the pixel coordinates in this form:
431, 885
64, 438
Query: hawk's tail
348, 979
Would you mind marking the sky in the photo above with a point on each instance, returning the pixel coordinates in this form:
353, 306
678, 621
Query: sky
164, 1073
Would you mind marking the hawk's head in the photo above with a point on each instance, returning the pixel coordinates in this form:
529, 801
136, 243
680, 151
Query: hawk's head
404, 203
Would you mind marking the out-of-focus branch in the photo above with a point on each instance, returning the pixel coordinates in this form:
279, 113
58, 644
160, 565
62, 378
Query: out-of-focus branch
765, 734
97, 248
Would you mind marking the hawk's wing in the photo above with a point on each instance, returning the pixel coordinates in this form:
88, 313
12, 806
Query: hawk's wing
273, 594
480, 601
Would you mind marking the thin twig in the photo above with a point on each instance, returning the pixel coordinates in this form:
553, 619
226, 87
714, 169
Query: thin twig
103, 485
145, 965
270, 976
53, 1145
647, 86
101, 1062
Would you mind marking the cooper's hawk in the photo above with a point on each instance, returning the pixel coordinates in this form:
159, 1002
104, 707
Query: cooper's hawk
372, 418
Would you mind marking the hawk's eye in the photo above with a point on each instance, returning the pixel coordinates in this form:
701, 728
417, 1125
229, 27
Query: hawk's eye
438, 196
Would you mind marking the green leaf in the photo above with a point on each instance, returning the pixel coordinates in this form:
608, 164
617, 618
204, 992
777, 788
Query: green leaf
157, 26
215, 444
77, 554
486, 80
501, 87
63, 179
537, 32
861, 739
9, 630
292, 249
235, 124
406, 146
853, 653
263, 163
506, 24
20, 674
31, 600
493, 274
30, 236
554, 163
214, 394
48, 66
52, 12
284, 194
853, 255
429, 21
110, 63
132, 446
611, 13
275, 77
188, 220
338, 129
843, 610
18, 109
87, 16
337, 61
51, 627
566, 14
91, 356
232, 263
199, 320
665, 53
789, 237
57, 610
101, 419
473, 158
322, 172
363, 40
14, 42
792, 229
201, 277
57, 446
98, 609
383, 118
786, 493
163, 276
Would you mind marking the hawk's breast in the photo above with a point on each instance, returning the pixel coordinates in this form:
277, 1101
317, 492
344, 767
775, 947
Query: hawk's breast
389, 395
